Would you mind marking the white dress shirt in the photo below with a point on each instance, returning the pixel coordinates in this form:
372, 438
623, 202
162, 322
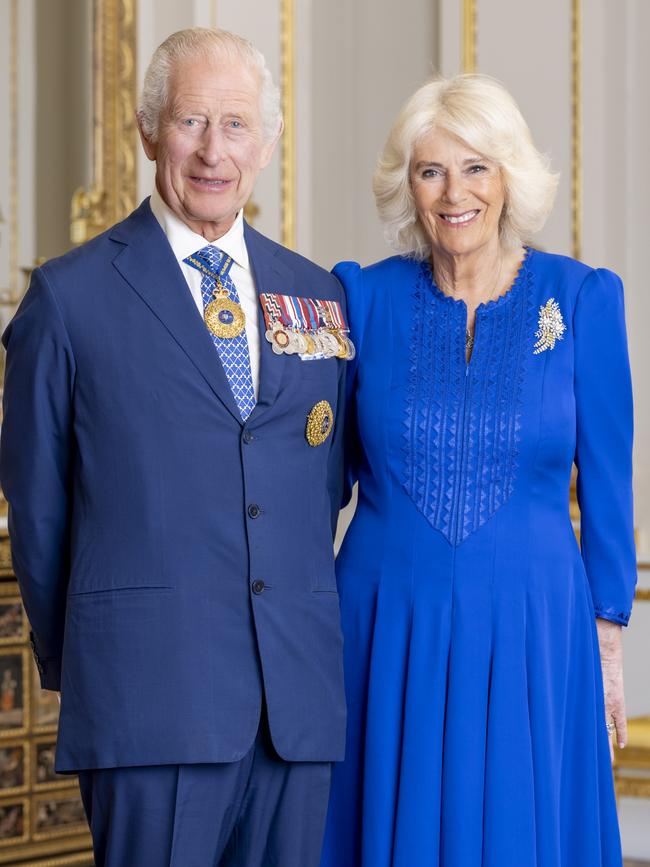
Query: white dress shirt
184, 242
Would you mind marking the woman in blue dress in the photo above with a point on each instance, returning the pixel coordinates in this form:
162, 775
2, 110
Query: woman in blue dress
474, 625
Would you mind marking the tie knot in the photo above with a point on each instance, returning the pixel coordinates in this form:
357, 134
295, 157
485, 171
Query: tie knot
209, 255
210, 260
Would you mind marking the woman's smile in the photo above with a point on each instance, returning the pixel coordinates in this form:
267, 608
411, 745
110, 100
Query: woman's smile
461, 219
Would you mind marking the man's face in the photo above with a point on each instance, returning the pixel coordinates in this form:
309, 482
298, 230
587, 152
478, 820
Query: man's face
210, 146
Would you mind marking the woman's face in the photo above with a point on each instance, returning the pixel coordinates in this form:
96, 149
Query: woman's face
459, 196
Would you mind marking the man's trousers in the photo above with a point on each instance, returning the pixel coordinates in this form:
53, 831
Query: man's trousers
258, 812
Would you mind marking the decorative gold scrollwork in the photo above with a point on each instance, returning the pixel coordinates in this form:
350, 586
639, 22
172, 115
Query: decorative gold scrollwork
112, 194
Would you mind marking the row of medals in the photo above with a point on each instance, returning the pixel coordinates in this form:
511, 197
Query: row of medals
226, 319
326, 342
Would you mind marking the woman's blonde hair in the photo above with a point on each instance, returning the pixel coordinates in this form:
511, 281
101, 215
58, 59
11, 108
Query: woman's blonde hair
478, 110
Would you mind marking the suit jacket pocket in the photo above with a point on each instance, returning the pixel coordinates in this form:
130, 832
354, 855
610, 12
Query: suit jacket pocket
108, 591
120, 614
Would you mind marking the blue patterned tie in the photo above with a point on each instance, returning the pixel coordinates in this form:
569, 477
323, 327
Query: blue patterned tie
233, 351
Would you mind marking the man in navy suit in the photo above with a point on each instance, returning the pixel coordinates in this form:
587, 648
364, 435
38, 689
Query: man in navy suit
171, 454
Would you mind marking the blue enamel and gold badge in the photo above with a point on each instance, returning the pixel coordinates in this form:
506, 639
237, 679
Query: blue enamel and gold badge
320, 422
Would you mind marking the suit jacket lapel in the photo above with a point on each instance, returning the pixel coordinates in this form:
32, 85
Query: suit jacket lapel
148, 264
271, 275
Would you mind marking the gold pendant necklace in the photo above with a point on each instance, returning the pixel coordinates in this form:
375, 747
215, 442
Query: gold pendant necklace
469, 335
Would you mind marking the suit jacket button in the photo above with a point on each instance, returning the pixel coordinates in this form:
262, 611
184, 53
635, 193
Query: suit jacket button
258, 587
247, 436
254, 511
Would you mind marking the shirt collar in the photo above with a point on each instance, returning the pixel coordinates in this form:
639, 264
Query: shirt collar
184, 242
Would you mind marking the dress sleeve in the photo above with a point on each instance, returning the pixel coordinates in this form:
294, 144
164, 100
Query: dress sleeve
603, 392
351, 278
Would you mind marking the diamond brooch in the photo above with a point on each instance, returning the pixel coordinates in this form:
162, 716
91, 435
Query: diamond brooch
551, 326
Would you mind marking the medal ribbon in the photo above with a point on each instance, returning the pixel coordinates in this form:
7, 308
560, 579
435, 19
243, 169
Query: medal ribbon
335, 314
271, 309
302, 314
198, 261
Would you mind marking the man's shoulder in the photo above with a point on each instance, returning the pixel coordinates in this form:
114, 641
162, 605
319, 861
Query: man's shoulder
307, 273
103, 247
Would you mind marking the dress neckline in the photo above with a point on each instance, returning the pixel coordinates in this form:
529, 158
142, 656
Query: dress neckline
505, 298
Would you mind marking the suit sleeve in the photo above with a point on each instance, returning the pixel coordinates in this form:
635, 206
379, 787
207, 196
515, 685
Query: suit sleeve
351, 277
35, 460
603, 393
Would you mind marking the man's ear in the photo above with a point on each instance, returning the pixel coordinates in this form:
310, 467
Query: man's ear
269, 147
150, 147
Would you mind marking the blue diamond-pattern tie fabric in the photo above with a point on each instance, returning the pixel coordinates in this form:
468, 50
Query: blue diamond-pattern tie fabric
233, 351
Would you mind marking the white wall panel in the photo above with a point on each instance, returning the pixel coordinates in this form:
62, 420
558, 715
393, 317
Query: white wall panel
367, 60
527, 46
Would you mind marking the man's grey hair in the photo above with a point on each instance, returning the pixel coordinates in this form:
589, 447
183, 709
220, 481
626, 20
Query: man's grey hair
208, 43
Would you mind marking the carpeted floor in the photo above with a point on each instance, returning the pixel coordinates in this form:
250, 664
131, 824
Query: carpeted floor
636, 863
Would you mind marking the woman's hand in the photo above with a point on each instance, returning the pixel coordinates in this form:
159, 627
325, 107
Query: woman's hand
611, 659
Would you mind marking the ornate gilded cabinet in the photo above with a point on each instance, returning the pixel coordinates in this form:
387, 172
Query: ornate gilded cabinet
42, 820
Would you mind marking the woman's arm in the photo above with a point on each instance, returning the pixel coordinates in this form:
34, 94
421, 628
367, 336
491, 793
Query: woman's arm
604, 459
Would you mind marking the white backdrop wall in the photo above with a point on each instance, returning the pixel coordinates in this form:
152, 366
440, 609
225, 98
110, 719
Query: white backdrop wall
366, 61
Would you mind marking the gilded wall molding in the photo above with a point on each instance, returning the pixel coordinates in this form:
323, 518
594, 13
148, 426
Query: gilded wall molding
288, 159
469, 35
576, 129
630, 787
10, 294
112, 194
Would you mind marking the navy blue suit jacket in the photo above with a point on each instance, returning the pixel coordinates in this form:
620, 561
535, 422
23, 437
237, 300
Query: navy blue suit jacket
129, 474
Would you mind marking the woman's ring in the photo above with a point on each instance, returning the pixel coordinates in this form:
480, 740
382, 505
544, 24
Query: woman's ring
611, 726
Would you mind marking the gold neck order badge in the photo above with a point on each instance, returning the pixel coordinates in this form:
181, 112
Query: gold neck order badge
223, 316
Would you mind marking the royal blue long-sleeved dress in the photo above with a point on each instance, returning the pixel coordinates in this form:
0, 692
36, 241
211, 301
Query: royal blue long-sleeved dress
476, 733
